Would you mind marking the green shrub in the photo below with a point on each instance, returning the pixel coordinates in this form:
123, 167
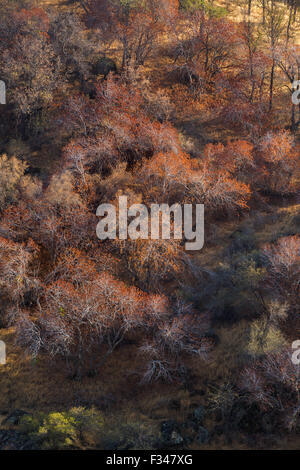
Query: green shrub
59, 430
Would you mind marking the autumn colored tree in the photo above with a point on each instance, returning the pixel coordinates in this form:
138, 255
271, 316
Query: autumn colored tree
75, 323
137, 25
53, 223
72, 45
254, 119
151, 262
112, 128
288, 60
254, 61
202, 183
166, 175
236, 157
29, 65
204, 51
274, 27
168, 103
272, 383
277, 159
184, 334
19, 283
14, 182
283, 266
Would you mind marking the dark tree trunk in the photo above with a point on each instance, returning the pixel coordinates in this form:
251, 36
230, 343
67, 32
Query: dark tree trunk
271, 85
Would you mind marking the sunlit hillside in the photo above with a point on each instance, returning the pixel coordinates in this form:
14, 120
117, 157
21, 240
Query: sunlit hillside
132, 342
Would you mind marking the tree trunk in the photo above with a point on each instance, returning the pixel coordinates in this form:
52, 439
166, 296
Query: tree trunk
293, 119
289, 25
271, 85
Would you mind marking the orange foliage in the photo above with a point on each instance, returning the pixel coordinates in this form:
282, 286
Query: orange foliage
178, 178
283, 269
278, 159
118, 129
